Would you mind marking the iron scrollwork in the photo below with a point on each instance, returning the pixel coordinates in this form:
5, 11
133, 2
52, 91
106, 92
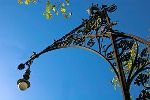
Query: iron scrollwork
95, 34
135, 60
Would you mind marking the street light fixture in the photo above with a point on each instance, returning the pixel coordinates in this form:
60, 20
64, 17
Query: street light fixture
23, 83
128, 55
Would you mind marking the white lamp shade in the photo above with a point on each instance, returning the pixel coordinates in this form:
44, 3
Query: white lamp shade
23, 86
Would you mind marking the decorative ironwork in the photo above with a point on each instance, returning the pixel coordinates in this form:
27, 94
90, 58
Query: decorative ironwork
127, 54
144, 95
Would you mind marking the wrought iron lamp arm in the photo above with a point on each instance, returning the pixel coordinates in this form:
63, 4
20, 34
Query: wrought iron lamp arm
96, 35
53, 47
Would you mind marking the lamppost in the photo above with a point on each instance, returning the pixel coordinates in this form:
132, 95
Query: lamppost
128, 55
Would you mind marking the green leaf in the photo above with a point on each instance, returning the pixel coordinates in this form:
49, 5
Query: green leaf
148, 73
48, 9
63, 10
56, 12
27, 2
63, 5
54, 8
115, 82
48, 15
20, 1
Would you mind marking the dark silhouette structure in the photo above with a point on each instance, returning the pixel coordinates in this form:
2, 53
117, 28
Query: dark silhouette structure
128, 55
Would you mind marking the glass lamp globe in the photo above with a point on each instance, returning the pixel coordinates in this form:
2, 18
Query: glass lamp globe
23, 84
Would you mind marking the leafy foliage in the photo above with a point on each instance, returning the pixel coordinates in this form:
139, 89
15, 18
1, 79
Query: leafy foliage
61, 7
115, 82
50, 8
27, 1
127, 59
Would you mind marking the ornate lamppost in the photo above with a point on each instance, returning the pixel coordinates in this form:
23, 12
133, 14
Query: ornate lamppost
128, 55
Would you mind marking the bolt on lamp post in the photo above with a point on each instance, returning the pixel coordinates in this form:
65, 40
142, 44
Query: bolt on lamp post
128, 55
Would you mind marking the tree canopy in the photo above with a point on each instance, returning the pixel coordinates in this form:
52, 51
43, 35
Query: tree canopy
51, 8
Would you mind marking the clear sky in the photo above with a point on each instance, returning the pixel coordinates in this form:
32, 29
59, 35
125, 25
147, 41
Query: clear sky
65, 74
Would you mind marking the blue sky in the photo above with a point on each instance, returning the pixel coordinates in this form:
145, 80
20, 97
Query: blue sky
66, 74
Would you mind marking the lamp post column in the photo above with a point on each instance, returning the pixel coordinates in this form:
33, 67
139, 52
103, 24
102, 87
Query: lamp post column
122, 78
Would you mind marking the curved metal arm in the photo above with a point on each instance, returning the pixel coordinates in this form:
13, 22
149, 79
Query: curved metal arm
83, 47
